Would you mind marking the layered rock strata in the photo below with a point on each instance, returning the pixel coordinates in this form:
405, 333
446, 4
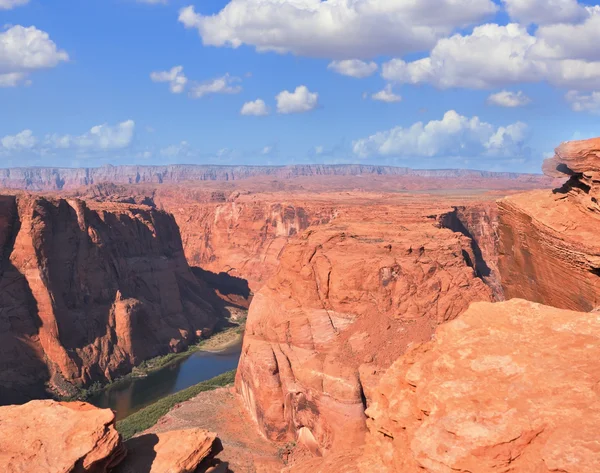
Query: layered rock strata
549, 247
357, 291
89, 291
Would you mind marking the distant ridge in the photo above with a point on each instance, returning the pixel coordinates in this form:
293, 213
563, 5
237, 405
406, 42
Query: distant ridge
53, 178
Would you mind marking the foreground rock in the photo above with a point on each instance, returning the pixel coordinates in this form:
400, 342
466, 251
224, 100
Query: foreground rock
87, 291
355, 292
54, 437
179, 451
506, 387
549, 246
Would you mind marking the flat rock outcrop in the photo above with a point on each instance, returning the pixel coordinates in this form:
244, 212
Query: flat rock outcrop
87, 291
549, 247
56, 437
354, 292
511, 386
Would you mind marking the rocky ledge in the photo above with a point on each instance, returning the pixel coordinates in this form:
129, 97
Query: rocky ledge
56, 437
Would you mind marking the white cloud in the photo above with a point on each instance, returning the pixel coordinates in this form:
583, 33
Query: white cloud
329, 28
100, 137
299, 101
492, 56
506, 98
582, 102
319, 149
10, 4
221, 85
543, 12
24, 50
353, 68
257, 108
387, 95
571, 41
175, 77
21, 141
267, 150
453, 136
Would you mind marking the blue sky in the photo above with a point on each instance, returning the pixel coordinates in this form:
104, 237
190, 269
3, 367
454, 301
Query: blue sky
458, 90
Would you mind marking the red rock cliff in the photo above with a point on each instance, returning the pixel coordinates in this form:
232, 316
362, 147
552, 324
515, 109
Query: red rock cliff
357, 291
549, 246
88, 292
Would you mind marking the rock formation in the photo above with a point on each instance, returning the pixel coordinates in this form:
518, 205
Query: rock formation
549, 247
179, 451
358, 290
53, 437
89, 291
506, 387
59, 437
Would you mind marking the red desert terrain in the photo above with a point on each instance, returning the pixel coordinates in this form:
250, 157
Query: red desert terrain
380, 336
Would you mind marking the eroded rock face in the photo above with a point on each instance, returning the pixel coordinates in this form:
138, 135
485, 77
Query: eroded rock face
355, 292
87, 292
56, 437
511, 386
549, 247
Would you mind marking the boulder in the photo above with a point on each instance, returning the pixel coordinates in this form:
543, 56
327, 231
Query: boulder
58, 437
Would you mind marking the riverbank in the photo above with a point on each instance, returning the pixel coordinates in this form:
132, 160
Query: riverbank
219, 342
149, 416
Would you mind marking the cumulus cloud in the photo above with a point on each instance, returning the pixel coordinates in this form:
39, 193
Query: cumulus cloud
299, 101
509, 99
492, 56
584, 102
353, 68
543, 12
220, 85
452, 136
21, 141
175, 151
571, 41
10, 4
329, 28
387, 95
100, 137
258, 108
175, 77
24, 50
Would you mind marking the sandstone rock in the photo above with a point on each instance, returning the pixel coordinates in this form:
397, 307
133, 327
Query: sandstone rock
369, 284
89, 291
549, 247
511, 386
574, 157
54, 437
180, 451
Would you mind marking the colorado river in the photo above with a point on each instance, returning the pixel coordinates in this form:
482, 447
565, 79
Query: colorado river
133, 394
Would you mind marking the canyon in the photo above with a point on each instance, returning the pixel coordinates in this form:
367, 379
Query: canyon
88, 291
398, 321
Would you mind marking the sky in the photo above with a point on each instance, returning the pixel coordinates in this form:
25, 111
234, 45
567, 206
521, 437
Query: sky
478, 84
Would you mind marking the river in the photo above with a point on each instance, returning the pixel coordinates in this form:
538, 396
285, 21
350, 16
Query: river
132, 394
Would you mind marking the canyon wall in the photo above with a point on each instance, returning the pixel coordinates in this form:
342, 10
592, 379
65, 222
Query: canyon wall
87, 291
357, 291
44, 179
549, 247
